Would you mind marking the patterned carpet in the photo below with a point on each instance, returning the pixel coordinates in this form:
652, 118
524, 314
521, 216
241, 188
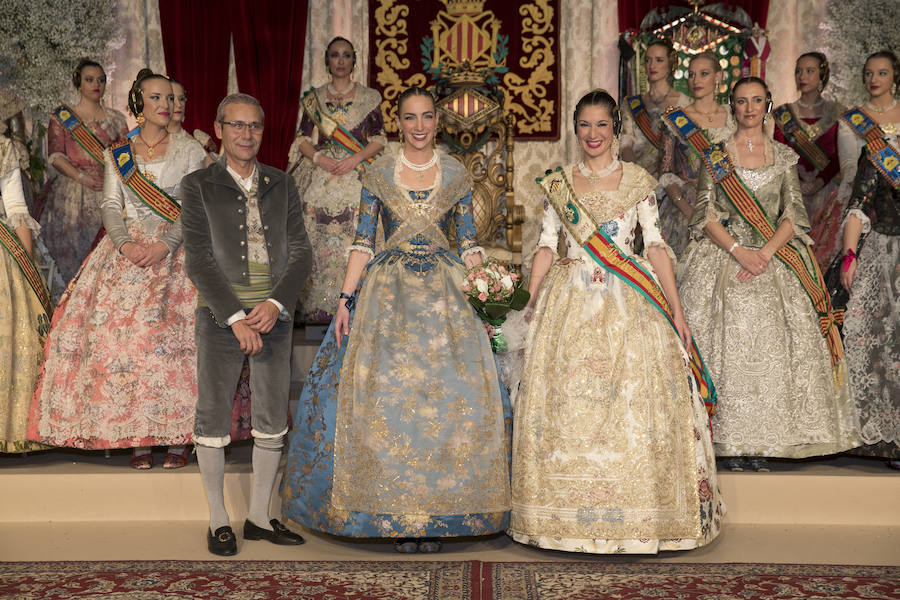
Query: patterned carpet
451, 580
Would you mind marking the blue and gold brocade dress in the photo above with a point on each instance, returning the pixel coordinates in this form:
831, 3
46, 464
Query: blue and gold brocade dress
404, 430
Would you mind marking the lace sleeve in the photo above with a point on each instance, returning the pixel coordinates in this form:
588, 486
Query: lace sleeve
369, 209
707, 209
864, 186
648, 216
550, 226
463, 221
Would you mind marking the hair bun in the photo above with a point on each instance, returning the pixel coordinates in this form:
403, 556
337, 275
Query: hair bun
144, 74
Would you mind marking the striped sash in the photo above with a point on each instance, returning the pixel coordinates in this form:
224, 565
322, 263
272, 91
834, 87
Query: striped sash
606, 253
796, 256
689, 131
796, 136
883, 156
80, 133
329, 127
11, 243
155, 198
642, 119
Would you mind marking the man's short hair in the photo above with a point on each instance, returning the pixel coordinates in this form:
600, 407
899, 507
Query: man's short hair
239, 99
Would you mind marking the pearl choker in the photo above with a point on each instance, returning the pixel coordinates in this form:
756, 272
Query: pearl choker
815, 104
594, 177
418, 168
879, 109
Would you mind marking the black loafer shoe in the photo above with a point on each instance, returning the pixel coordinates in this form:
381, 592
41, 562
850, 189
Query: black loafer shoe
223, 542
280, 534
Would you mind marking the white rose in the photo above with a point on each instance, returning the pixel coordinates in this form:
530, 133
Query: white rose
507, 282
482, 286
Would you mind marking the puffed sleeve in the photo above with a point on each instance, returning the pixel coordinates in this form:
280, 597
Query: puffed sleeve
369, 209
306, 127
668, 159
627, 135
56, 140
14, 205
374, 126
112, 204
550, 226
648, 217
792, 207
708, 209
466, 238
864, 187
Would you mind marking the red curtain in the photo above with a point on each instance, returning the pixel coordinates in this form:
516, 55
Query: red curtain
269, 39
195, 38
631, 12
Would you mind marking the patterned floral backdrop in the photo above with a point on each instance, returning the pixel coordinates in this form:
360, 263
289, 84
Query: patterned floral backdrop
514, 44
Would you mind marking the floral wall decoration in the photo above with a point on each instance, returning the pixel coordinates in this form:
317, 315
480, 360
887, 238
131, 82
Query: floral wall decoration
41, 41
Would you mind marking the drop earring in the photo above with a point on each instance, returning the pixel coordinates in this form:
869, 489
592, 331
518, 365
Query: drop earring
140, 119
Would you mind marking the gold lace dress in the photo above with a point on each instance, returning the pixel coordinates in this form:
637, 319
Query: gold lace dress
779, 395
611, 445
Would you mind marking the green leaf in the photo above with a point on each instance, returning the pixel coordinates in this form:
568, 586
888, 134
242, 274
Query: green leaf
519, 298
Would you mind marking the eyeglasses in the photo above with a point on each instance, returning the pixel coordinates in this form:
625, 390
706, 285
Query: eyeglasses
240, 126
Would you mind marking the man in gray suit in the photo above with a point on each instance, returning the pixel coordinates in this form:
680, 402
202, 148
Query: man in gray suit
247, 253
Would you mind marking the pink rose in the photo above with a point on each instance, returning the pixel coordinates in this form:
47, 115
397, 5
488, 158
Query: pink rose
483, 297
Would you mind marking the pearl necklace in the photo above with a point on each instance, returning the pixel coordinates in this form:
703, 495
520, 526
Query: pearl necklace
418, 168
879, 109
594, 177
815, 104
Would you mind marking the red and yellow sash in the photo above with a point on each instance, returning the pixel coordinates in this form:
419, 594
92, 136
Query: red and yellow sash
10, 241
642, 119
882, 155
796, 256
331, 128
80, 133
796, 136
155, 198
606, 253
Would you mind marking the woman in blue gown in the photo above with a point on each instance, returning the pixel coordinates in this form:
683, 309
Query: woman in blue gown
402, 430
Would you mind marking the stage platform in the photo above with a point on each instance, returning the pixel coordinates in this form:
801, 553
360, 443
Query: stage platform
73, 505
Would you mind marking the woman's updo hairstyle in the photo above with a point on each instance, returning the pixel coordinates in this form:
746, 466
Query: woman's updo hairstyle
84, 62
409, 93
599, 97
895, 64
706, 54
744, 81
671, 54
136, 94
333, 41
824, 67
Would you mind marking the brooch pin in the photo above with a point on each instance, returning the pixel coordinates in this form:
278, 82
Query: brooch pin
266, 180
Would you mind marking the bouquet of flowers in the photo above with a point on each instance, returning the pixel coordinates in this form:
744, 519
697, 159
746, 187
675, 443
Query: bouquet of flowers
493, 290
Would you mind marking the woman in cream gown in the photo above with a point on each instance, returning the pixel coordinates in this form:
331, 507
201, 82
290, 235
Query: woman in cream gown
782, 383
611, 442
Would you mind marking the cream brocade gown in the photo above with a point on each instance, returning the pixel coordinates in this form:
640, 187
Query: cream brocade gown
611, 445
779, 395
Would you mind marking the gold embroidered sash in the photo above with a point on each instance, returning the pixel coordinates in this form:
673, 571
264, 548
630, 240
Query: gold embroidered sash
154, 197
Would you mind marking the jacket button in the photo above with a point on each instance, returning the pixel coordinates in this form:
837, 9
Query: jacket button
243, 257
244, 273
269, 244
266, 227
241, 227
240, 211
242, 242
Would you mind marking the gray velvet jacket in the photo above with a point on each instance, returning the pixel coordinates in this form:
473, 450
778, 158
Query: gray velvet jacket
214, 225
